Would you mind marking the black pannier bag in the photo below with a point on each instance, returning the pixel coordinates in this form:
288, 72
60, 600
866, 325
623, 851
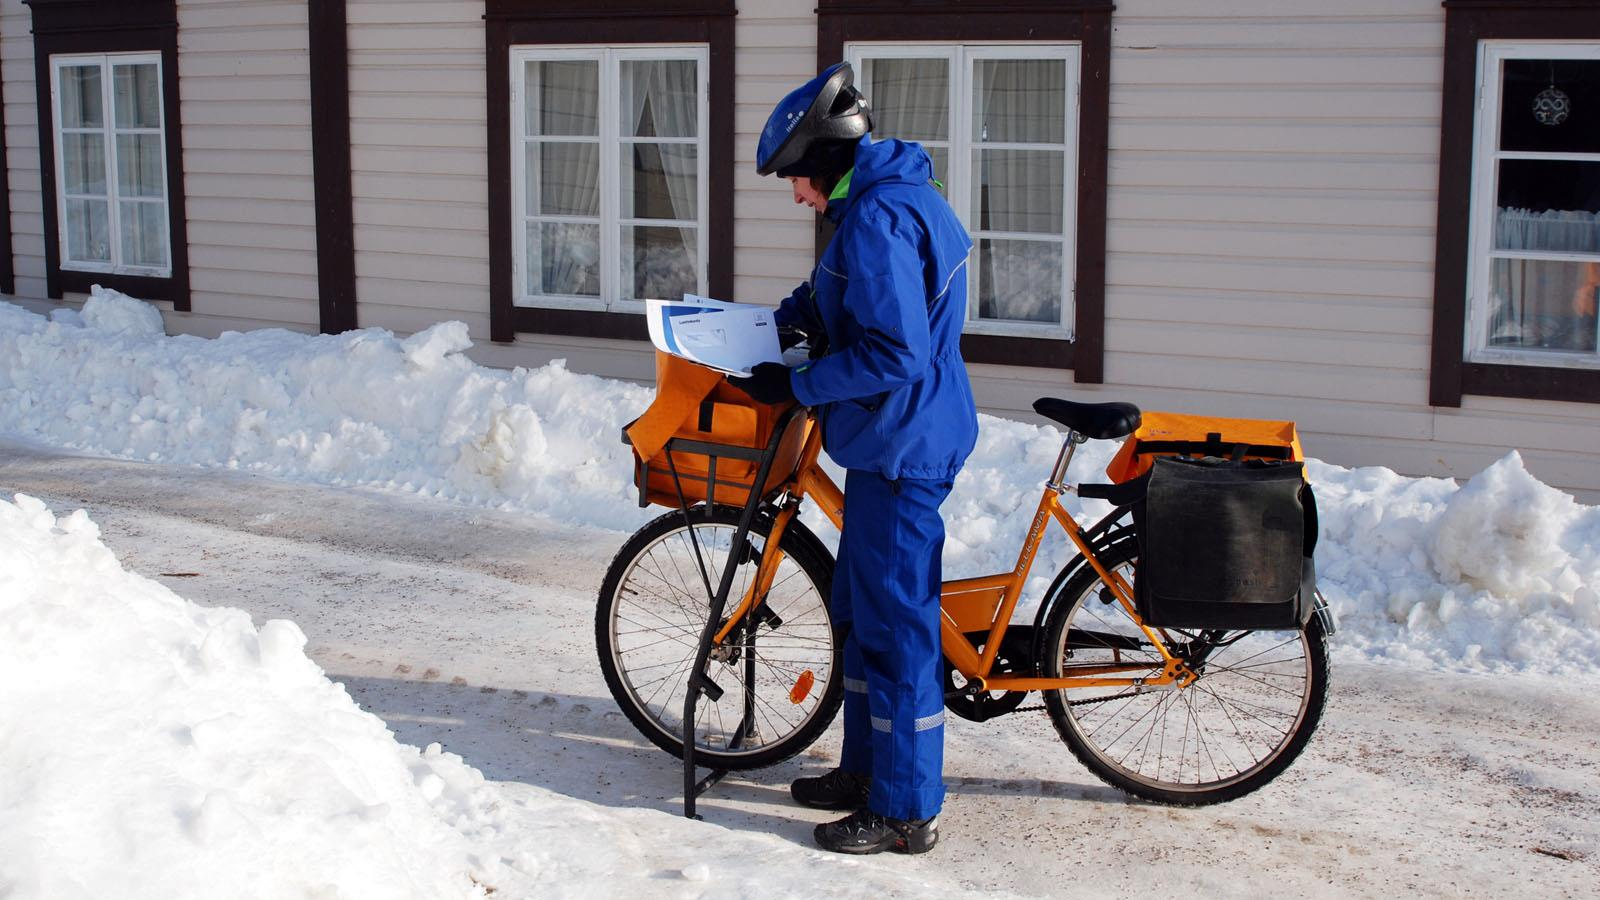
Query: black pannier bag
1225, 544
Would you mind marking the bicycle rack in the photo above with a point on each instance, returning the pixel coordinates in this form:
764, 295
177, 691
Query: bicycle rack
699, 682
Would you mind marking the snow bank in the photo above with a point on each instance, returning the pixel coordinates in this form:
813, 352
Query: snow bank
356, 408
153, 748
157, 750
1499, 574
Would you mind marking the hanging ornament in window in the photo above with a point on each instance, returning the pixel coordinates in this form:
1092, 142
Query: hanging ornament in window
1551, 106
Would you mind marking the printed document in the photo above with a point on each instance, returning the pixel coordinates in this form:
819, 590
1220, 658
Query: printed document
729, 337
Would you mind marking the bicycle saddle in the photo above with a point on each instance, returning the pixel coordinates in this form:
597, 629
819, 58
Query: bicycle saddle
1100, 421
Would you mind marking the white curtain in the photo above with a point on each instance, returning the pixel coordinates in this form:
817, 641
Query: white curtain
661, 100
1016, 190
563, 176
1555, 230
1545, 304
1018, 101
910, 98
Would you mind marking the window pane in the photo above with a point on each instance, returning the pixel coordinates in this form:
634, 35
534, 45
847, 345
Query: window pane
563, 97
1017, 190
144, 234
1019, 100
659, 98
80, 97
139, 165
659, 262
1550, 105
1548, 205
563, 179
1543, 305
83, 163
910, 97
88, 231
136, 92
1019, 280
658, 181
564, 258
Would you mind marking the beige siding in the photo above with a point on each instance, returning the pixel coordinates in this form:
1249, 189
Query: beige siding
22, 147
244, 79
777, 50
418, 129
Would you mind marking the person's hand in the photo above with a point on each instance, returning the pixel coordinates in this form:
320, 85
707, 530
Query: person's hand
768, 383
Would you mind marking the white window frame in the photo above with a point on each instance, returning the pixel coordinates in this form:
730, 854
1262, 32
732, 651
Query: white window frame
110, 131
611, 147
958, 181
1485, 166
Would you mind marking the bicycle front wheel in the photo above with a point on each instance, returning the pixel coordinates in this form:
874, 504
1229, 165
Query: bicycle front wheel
1239, 725
781, 669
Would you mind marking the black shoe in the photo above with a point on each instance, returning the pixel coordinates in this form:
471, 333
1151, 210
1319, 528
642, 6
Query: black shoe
836, 790
864, 831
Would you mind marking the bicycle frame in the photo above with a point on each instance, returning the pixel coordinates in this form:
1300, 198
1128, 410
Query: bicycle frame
981, 604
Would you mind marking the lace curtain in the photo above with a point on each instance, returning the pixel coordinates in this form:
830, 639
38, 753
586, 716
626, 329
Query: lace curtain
1545, 304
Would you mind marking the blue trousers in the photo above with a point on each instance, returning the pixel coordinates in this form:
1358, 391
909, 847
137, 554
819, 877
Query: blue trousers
886, 589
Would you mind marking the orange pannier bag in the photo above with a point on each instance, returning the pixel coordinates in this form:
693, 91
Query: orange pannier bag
712, 433
1182, 434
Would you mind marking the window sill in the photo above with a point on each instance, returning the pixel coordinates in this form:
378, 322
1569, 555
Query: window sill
1531, 382
1039, 353
144, 287
579, 323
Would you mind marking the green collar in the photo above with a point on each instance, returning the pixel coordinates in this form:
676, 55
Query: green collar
843, 187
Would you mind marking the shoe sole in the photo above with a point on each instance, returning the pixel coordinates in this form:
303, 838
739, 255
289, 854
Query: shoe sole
902, 845
896, 847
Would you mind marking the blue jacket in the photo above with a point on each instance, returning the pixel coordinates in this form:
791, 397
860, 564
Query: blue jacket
891, 295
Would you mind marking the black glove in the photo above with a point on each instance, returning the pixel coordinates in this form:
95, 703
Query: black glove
768, 383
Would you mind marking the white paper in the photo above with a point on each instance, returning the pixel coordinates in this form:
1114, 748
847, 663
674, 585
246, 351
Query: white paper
729, 337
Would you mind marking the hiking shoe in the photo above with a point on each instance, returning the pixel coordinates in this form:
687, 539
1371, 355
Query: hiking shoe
865, 831
836, 790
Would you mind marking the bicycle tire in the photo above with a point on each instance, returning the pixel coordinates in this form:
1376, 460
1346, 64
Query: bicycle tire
654, 588
1255, 690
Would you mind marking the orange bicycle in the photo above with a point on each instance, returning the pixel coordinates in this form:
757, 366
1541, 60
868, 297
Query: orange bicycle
753, 658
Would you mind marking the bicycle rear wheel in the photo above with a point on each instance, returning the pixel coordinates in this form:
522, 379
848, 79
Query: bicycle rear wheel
781, 671
1259, 697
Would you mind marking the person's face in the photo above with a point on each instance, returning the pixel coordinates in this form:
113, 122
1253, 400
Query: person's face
807, 192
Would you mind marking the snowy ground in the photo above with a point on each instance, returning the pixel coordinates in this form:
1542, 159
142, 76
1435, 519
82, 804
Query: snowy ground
437, 532
472, 628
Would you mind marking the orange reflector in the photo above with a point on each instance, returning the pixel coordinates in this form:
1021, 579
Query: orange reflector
802, 687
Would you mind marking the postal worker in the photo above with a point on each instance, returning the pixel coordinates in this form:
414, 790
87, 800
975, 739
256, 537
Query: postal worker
889, 297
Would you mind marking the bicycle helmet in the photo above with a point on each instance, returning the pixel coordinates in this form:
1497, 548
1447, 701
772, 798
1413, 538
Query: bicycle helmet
811, 128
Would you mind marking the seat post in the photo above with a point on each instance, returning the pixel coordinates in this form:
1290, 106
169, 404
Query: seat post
1058, 475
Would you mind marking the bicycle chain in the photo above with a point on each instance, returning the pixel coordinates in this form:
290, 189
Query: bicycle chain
1085, 702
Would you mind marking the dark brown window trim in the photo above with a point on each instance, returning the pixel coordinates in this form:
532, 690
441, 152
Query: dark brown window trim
111, 26
511, 23
1466, 23
8, 270
974, 21
330, 164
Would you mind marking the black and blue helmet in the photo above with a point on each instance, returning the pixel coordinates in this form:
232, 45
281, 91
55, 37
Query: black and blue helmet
809, 128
